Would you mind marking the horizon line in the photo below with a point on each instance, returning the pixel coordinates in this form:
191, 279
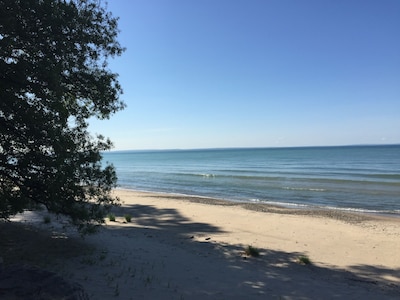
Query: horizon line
249, 147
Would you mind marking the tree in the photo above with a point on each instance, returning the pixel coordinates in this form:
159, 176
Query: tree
54, 77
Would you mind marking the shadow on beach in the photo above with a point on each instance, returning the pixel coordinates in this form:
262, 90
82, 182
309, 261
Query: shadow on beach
165, 255
216, 270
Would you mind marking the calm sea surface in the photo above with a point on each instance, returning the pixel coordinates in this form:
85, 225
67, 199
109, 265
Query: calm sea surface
360, 178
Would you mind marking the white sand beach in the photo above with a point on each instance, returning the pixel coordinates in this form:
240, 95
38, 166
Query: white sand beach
179, 247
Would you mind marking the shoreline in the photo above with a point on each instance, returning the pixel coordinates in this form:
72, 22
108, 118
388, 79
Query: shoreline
345, 214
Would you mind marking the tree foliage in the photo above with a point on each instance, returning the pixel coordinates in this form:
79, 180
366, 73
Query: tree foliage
54, 77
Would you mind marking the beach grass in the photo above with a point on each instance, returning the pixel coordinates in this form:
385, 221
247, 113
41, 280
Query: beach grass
252, 251
111, 217
128, 218
304, 260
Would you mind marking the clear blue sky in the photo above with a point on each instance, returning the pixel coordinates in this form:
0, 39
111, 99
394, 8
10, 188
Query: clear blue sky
256, 73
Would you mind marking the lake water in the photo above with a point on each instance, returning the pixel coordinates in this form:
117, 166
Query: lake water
358, 178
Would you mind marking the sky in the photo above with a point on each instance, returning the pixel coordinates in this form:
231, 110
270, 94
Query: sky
256, 73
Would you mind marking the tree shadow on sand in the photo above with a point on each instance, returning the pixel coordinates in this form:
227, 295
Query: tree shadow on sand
275, 274
167, 220
165, 255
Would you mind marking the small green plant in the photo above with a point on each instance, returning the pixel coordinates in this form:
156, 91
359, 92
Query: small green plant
128, 218
251, 251
111, 217
46, 219
304, 260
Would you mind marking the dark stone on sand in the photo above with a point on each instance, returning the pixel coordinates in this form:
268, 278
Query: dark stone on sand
28, 283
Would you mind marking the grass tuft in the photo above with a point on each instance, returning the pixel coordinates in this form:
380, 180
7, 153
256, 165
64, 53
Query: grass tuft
251, 251
304, 260
111, 217
128, 218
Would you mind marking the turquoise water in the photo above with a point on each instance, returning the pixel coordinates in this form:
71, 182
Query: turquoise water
360, 178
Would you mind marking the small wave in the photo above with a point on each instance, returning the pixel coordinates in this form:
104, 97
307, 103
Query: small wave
205, 175
208, 175
304, 189
395, 212
283, 204
363, 210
